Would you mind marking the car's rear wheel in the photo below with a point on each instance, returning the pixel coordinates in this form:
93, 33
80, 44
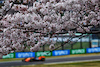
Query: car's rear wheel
23, 60
31, 60
43, 59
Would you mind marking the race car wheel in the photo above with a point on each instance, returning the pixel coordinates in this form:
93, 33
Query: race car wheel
31, 60
43, 59
23, 60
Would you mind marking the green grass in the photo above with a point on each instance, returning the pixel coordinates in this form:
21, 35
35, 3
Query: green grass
80, 64
10, 59
75, 46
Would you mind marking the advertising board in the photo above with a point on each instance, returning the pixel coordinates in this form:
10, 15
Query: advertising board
78, 51
45, 53
93, 50
11, 55
24, 54
60, 52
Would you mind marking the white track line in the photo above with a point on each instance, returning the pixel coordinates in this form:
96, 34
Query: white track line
72, 57
71, 62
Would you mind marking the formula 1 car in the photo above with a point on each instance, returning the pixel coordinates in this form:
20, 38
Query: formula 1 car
31, 59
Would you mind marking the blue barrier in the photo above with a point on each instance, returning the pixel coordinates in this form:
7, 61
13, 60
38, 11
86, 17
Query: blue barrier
60, 52
24, 54
93, 50
54, 53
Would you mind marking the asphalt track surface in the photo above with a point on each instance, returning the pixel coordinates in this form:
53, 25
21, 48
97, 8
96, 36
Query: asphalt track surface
47, 61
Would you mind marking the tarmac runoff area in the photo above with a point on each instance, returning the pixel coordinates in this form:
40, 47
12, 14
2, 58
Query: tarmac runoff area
53, 61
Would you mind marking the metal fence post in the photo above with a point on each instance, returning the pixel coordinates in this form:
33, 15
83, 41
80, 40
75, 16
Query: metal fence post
62, 44
89, 41
81, 43
43, 48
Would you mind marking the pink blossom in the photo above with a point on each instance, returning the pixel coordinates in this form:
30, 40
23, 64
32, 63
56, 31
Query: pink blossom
80, 29
52, 47
47, 17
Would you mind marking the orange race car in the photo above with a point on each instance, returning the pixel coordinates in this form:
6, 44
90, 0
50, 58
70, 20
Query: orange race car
31, 59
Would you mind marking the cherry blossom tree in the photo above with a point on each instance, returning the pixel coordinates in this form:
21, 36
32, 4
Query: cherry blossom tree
29, 25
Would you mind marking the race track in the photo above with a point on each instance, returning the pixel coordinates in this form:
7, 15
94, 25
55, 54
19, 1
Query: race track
47, 61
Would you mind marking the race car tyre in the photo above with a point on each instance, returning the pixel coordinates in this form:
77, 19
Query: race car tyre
23, 60
31, 60
43, 59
